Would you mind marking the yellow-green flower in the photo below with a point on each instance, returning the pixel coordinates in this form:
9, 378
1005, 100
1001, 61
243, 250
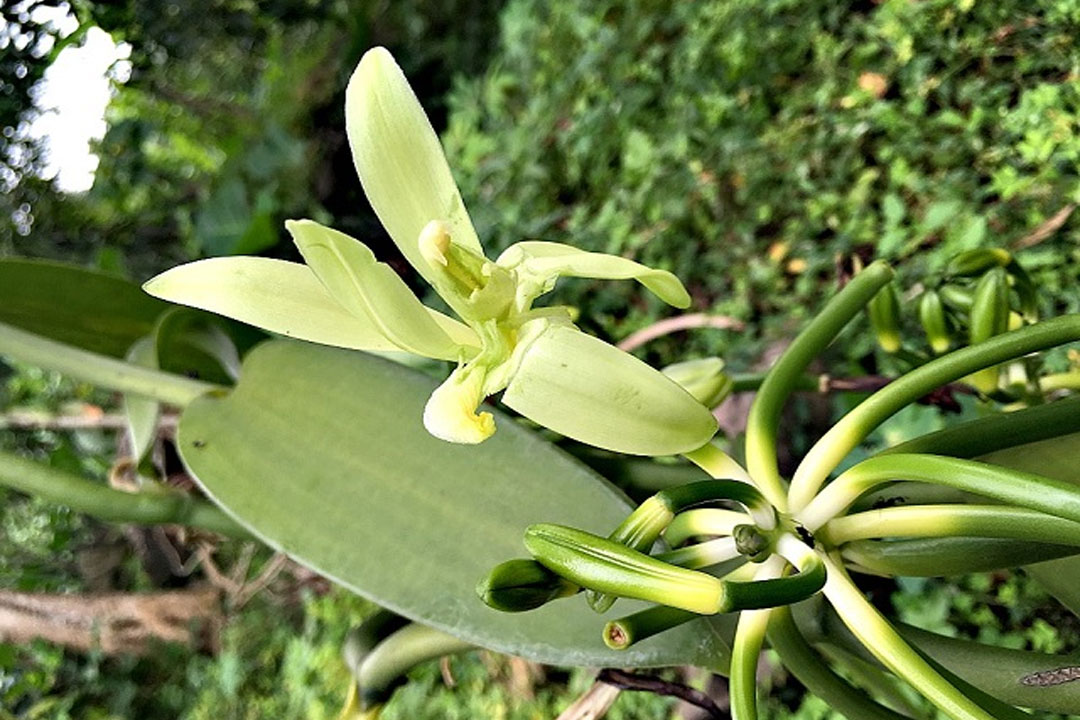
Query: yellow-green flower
550, 371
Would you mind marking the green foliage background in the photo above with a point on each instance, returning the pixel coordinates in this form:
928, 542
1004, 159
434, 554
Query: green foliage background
734, 142
751, 147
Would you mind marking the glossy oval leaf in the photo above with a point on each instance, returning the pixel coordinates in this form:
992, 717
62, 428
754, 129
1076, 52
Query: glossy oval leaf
89, 309
321, 453
195, 344
142, 413
1055, 458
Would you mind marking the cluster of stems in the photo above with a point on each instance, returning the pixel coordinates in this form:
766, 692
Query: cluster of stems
750, 541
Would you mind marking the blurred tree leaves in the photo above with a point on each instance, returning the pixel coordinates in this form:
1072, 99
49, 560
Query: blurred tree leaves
232, 121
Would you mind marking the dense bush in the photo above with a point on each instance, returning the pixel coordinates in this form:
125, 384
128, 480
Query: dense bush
747, 145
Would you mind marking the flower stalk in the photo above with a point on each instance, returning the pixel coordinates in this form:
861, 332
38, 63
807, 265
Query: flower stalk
845, 435
785, 376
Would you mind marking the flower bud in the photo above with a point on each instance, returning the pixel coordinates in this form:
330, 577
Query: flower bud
884, 311
932, 317
978, 261
597, 563
705, 379
519, 585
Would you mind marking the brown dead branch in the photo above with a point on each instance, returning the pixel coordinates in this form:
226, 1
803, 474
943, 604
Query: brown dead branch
115, 623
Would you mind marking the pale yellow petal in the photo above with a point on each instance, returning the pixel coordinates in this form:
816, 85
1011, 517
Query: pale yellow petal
400, 160
583, 388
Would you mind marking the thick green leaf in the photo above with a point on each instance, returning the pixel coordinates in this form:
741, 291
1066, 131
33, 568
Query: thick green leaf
97, 312
142, 412
194, 343
1060, 578
321, 453
1055, 458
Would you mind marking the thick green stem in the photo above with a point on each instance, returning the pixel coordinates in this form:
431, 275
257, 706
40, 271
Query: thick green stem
751, 382
1054, 497
1060, 381
100, 370
703, 522
719, 465
990, 521
944, 556
701, 555
998, 431
813, 672
144, 508
624, 632
384, 668
745, 649
875, 632
845, 435
781, 590
643, 526
787, 375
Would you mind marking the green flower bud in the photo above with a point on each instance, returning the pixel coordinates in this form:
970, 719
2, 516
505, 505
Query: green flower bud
752, 543
932, 317
956, 297
704, 379
978, 261
989, 317
1025, 290
519, 585
884, 312
600, 564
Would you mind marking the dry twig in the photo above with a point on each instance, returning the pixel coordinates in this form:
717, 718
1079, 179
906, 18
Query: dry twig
675, 324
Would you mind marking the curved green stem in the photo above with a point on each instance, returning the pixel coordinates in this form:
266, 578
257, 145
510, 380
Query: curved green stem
1054, 497
100, 370
875, 632
990, 521
938, 557
781, 590
625, 631
1060, 381
643, 526
995, 671
365, 637
702, 521
905, 493
998, 431
786, 375
718, 464
845, 435
383, 669
144, 508
701, 555
746, 647
813, 672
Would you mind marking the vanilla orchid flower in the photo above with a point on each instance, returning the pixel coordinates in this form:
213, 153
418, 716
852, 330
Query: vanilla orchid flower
551, 372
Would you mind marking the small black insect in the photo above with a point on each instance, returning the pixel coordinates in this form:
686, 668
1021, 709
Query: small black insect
806, 535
